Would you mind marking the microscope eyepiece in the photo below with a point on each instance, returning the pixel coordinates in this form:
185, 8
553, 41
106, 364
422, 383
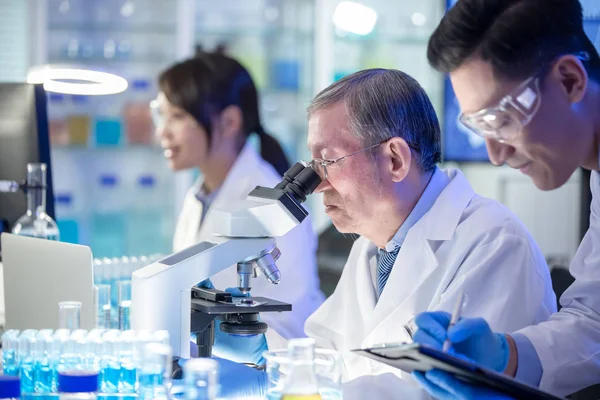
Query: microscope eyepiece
290, 174
300, 180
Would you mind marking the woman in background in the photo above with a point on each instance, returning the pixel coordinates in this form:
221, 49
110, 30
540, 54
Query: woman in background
208, 107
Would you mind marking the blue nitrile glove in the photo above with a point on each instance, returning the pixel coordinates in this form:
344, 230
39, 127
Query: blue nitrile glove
238, 381
471, 337
239, 348
207, 283
444, 386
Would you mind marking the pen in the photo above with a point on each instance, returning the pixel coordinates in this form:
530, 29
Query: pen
410, 327
454, 318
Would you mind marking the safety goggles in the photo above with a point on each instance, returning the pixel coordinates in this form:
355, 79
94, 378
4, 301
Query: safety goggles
505, 121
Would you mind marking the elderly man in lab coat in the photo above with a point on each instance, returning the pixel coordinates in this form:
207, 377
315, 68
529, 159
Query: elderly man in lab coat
425, 235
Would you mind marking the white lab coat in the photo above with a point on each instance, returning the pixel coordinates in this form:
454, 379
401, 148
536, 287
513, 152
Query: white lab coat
299, 284
464, 242
568, 344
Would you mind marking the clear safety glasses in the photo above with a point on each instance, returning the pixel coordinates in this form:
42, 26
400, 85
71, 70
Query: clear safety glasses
505, 121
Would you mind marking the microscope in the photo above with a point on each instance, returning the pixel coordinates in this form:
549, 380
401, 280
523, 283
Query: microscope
165, 295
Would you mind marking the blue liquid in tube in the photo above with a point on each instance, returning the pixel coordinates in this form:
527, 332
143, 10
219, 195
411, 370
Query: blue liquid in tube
27, 373
9, 363
44, 377
111, 376
128, 379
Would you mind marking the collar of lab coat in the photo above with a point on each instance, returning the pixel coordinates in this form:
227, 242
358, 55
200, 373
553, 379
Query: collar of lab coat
417, 258
437, 183
440, 222
247, 160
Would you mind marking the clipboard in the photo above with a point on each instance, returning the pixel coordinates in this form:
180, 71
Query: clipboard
411, 357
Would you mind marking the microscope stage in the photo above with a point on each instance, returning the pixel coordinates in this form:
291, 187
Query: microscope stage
238, 307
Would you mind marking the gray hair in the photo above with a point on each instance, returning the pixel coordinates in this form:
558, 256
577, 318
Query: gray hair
384, 103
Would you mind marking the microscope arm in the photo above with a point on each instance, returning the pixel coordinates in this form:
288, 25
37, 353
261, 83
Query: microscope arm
161, 292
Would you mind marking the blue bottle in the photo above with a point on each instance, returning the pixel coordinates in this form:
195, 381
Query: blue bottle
108, 220
107, 123
145, 225
68, 225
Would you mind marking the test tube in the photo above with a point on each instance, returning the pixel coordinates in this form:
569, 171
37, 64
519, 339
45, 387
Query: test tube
124, 288
102, 306
124, 274
125, 346
143, 262
99, 271
44, 366
109, 362
69, 313
26, 354
133, 265
94, 347
112, 272
10, 349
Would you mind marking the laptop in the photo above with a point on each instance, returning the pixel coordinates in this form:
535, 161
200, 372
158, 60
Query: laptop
38, 274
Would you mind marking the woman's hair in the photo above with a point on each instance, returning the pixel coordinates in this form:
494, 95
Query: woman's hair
205, 85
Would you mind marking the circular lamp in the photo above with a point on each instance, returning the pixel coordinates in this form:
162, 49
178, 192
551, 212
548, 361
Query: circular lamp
76, 81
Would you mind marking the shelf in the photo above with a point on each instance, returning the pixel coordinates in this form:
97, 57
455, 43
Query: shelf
268, 90
382, 39
148, 59
114, 28
267, 32
108, 149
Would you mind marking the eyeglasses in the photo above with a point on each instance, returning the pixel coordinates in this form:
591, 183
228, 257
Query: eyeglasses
157, 117
162, 119
320, 166
505, 121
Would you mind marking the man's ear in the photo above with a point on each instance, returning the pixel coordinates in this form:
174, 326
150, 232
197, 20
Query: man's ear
572, 76
398, 158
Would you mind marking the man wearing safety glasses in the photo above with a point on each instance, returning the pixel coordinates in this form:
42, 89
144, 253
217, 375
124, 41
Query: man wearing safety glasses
528, 81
